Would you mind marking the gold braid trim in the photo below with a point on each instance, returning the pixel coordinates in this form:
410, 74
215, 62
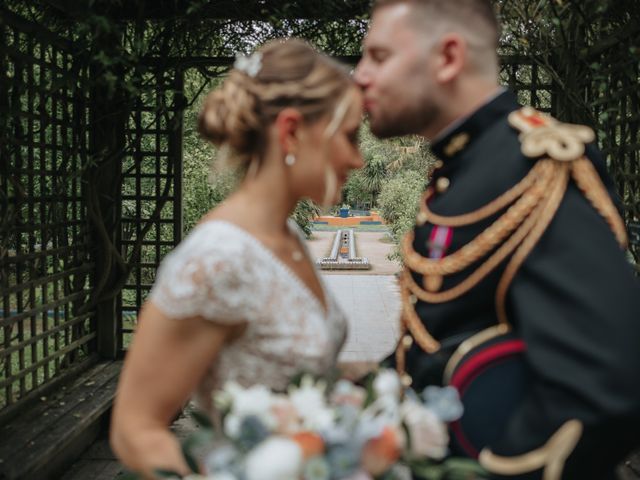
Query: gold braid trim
547, 210
410, 321
480, 273
540, 169
401, 351
550, 457
537, 198
588, 181
487, 240
534, 202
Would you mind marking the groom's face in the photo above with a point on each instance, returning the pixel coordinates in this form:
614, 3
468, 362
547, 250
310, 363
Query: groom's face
395, 74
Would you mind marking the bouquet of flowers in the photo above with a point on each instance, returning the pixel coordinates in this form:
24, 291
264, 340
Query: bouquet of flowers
313, 432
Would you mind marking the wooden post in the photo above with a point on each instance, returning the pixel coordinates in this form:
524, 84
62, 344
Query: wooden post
108, 114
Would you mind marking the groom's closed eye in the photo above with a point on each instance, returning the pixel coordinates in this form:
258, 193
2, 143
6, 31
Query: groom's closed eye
379, 55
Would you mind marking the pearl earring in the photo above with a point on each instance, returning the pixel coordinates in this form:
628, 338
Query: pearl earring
290, 159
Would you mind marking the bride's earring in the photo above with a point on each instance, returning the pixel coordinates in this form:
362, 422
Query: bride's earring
290, 159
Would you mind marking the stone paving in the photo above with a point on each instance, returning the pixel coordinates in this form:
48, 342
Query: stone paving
370, 298
372, 305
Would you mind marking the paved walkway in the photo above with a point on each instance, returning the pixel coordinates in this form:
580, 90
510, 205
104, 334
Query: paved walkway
372, 305
370, 298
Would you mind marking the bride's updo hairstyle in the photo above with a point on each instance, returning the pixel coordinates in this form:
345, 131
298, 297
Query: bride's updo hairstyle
280, 74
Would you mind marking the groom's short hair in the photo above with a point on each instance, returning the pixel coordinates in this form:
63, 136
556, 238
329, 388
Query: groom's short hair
474, 19
470, 14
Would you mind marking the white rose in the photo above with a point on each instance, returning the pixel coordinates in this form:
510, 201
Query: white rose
310, 403
387, 384
427, 433
253, 401
277, 458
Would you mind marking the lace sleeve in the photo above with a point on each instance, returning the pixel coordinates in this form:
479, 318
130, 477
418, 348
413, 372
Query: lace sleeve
209, 275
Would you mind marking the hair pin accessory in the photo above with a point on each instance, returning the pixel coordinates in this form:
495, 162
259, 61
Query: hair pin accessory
249, 64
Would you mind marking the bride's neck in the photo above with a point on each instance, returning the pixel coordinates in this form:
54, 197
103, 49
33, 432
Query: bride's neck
267, 201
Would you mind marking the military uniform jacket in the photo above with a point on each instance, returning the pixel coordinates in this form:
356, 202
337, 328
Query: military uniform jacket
569, 406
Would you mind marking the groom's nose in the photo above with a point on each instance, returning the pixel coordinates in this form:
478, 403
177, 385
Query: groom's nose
362, 74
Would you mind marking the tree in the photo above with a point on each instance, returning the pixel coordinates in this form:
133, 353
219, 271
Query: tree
355, 192
399, 202
374, 175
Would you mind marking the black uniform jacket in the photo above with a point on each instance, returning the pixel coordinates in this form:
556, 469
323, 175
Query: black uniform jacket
570, 408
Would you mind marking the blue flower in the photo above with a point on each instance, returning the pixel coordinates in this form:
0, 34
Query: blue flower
252, 432
444, 402
223, 457
343, 459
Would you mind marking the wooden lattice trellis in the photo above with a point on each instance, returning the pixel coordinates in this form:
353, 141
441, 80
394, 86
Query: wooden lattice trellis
44, 247
618, 111
151, 224
532, 84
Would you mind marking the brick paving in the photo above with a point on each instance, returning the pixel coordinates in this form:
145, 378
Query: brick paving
372, 305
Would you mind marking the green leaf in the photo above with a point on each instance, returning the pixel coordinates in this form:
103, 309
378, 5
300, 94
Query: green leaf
199, 438
166, 474
454, 468
202, 419
128, 476
191, 461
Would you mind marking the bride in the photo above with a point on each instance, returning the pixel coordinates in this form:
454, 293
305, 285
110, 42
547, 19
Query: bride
239, 299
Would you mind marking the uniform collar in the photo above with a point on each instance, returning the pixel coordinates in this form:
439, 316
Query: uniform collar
461, 134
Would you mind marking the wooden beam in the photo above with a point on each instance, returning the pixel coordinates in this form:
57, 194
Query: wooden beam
202, 61
217, 9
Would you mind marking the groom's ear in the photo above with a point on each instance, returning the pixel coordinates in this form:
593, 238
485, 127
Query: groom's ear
288, 123
451, 57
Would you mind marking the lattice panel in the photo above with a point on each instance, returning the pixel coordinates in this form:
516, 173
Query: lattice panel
616, 105
44, 262
532, 84
151, 190
618, 112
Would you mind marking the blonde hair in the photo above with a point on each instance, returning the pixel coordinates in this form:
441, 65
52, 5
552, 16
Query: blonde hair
291, 74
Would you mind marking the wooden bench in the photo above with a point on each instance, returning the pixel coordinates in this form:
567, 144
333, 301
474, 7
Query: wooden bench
45, 439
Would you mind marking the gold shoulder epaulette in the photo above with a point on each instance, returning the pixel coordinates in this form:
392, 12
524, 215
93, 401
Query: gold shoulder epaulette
543, 135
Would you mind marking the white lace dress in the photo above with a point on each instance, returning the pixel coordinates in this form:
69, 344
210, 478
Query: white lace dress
224, 274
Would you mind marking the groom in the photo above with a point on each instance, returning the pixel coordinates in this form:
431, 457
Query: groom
537, 319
